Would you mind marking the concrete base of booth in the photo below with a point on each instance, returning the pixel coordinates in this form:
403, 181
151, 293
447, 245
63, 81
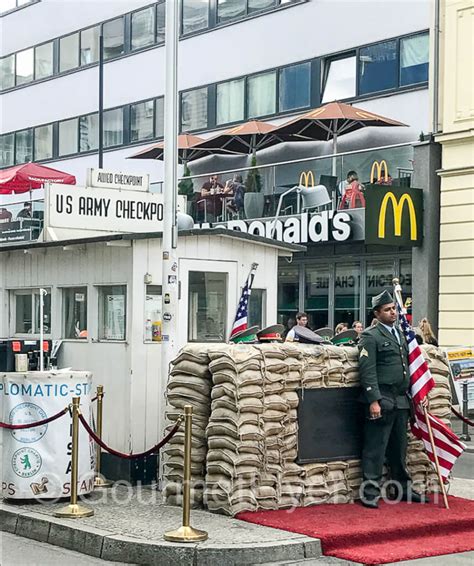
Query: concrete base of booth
142, 471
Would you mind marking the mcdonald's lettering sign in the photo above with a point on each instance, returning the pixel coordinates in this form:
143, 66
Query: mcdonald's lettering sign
393, 216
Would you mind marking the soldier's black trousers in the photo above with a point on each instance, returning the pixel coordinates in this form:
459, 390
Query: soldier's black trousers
385, 437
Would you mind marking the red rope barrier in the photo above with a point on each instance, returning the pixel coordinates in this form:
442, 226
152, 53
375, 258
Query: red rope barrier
462, 417
155, 448
38, 423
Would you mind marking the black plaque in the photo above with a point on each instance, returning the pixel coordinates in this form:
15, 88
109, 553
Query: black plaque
330, 424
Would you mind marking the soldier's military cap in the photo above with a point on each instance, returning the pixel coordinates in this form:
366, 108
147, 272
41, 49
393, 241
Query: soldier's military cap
245, 336
345, 337
325, 332
271, 333
384, 298
304, 335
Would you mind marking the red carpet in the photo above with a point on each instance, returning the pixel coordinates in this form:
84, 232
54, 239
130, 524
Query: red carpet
392, 533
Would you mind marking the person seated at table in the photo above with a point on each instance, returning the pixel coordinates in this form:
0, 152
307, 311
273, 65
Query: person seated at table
5, 215
25, 212
237, 190
213, 185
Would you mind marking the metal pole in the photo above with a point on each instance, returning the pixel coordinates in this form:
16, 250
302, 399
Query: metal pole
465, 408
73, 510
101, 98
42, 293
99, 480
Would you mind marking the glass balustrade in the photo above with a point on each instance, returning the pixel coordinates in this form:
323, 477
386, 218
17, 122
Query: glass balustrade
21, 221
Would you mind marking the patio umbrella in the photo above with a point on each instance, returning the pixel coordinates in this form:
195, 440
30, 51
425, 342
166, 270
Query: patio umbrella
29, 176
330, 121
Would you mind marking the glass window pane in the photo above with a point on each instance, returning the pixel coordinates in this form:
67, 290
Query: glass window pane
340, 79
7, 5
153, 310
207, 306
113, 127
24, 146
23, 318
261, 94
46, 312
143, 28
7, 72
141, 121
7, 143
230, 101
27, 312
194, 110
159, 117
257, 5
44, 61
44, 142
68, 137
113, 38
294, 87
195, 15
75, 313
288, 294
414, 57
317, 295
24, 66
257, 308
406, 284
160, 22
88, 132
379, 277
112, 312
68, 52
378, 67
347, 293
90, 45
230, 9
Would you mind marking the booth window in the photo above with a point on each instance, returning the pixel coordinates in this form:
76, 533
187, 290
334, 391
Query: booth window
257, 308
207, 306
75, 313
26, 306
153, 313
339, 78
112, 312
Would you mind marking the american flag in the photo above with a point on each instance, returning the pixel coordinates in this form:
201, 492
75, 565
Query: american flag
241, 316
447, 445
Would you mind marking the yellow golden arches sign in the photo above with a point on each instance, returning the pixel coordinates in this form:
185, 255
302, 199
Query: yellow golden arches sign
397, 206
380, 168
306, 178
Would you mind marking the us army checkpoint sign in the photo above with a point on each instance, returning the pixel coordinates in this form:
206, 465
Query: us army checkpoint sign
37, 461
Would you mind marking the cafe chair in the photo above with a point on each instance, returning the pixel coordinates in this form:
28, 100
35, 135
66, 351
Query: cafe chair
204, 201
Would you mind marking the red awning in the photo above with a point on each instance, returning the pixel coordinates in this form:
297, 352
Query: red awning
29, 176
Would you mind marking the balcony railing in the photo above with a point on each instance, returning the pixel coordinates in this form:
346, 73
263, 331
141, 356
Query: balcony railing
21, 221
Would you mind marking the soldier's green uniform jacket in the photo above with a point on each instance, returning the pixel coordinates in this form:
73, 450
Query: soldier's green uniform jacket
383, 366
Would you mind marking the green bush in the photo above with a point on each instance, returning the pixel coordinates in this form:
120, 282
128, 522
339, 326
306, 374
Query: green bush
253, 183
186, 186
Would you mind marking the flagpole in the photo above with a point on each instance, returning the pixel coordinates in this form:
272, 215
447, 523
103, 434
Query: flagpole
398, 297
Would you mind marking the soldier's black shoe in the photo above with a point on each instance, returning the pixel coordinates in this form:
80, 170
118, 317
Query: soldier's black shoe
370, 503
414, 497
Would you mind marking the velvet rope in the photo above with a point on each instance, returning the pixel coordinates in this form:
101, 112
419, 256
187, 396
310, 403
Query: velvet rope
462, 417
38, 423
153, 449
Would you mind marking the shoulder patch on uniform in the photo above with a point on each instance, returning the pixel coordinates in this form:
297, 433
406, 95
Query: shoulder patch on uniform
363, 352
368, 389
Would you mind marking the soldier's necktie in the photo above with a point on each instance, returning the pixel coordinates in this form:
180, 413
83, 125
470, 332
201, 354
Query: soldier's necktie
395, 334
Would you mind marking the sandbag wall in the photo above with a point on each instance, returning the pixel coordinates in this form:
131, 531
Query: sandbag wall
245, 427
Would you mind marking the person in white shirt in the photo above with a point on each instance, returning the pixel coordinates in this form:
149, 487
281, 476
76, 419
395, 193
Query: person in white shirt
301, 320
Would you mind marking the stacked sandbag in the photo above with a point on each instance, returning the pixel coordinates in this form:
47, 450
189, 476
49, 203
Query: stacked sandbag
189, 384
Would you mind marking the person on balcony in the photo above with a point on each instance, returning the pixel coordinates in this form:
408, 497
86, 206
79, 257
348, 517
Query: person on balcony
25, 212
5, 215
212, 186
350, 178
235, 188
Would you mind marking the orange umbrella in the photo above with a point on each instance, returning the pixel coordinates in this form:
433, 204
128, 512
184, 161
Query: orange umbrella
187, 150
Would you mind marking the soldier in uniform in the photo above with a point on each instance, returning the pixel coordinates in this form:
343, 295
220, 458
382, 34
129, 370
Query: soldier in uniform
383, 369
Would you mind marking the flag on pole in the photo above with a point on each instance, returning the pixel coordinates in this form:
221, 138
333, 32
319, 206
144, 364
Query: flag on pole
241, 316
447, 445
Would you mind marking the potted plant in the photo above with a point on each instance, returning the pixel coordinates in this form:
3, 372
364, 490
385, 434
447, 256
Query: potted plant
186, 188
254, 200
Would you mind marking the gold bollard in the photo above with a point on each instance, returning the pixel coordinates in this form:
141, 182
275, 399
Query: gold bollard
99, 480
73, 510
186, 533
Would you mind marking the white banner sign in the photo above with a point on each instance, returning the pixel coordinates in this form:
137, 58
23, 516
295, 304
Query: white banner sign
37, 461
106, 210
102, 179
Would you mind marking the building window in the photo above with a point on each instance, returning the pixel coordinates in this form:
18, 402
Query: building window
27, 311
24, 146
160, 22
195, 15
288, 294
207, 306
379, 275
262, 94
141, 121
405, 277
153, 310
7, 145
258, 5
113, 38
143, 28
257, 309
159, 117
339, 79
75, 313
90, 45
378, 67
24, 66
44, 142
317, 281
7, 72
113, 127
68, 52
88, 132
294, 87
68, 137
228, 10
194, 109
414, 57
347, 293
230, 101
112, 312
8, 5
44, 61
